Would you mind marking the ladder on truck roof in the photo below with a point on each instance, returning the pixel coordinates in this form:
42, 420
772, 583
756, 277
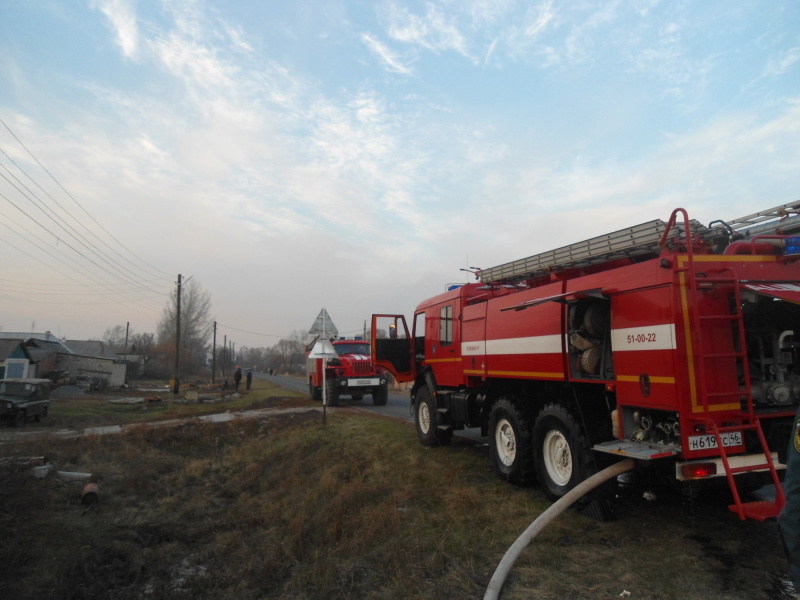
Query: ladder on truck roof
785, 217
638, 242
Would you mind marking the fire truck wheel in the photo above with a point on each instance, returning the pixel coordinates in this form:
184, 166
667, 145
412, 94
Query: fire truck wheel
332, 395
425, 417
380, 396
510, 445
315, 392
561, 451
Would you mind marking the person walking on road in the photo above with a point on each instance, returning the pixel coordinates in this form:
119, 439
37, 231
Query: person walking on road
237, 378
249, 378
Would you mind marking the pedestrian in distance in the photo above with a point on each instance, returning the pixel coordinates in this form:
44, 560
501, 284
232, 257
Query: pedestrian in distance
237, 378
789, 519
249, 377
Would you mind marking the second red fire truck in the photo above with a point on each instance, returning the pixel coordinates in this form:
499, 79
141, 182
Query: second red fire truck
347, 369
674, 343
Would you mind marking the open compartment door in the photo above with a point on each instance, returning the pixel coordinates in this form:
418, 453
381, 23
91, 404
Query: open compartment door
391, 346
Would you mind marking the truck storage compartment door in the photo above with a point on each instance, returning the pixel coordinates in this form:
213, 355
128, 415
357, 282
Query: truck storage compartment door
473, 340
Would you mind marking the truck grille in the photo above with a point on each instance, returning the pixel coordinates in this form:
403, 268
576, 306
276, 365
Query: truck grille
362, 367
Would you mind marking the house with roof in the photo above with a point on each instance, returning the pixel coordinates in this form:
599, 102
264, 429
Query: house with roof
93, 359
39, 355
13, 358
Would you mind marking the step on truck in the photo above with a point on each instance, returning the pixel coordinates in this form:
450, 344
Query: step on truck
674, 343
348, 371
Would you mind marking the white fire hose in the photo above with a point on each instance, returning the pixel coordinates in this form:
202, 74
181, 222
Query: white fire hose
511, 555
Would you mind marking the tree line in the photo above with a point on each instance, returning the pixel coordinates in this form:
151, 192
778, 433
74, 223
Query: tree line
156, 351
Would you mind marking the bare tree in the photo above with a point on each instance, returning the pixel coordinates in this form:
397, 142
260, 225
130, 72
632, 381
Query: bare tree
196, 324
115, 337
288, 353
142, 343
252, 357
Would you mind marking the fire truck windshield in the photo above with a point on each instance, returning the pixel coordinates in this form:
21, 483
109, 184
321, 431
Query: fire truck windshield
354, 348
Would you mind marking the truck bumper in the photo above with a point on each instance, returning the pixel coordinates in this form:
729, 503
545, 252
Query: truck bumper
360, 382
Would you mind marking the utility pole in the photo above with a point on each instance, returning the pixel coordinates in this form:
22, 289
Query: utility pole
127, 330
214, 355
224, 353
176, 381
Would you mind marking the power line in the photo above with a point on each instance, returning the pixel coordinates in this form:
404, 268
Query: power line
252, 332
83, 255
38, 162
88, 245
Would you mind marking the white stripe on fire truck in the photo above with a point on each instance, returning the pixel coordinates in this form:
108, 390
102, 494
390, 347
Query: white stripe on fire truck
538, 344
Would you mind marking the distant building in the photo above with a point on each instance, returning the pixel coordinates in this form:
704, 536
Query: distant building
39, 355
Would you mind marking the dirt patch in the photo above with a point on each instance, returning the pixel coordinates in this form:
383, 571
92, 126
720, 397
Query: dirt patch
280, 402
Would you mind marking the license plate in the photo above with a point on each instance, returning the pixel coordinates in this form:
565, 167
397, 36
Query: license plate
709, 442
360, 382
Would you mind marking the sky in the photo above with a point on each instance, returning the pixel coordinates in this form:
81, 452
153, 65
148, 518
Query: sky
356, 155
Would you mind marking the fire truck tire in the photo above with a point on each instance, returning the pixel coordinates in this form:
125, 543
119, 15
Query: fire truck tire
510, 444
332, 394
426, 417
315, 392
563, 457
380, 396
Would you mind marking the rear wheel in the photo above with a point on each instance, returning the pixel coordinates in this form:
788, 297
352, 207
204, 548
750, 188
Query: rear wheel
315, 392
20, 418
563, 456
510, 445
425, 417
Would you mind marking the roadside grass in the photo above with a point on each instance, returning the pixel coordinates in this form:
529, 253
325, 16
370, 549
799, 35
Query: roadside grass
286, 507
95, 409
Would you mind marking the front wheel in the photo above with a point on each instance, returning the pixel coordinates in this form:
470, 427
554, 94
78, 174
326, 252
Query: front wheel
20, 418
380, 396
426, 418
331, 394
510, 444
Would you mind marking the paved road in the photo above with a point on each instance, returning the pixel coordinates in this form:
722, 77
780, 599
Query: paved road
398, 406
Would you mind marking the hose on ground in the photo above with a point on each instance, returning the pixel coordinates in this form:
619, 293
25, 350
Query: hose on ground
511, 555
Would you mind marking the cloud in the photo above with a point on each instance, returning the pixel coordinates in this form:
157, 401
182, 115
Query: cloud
543, 17
489, 52
387, 57
436, 30
123, 20
783, 63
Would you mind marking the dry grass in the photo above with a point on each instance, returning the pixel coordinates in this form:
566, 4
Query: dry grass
287, 508
95, 409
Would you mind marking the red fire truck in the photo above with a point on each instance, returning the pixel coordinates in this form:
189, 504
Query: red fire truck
348, 371
674, 343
